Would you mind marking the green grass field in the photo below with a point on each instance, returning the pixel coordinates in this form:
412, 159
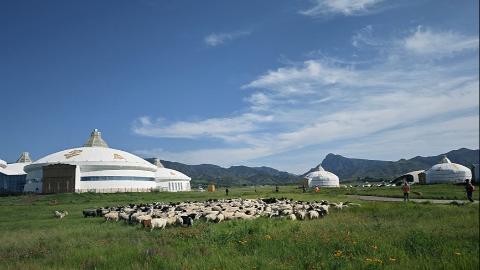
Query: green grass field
377, 235
439, 191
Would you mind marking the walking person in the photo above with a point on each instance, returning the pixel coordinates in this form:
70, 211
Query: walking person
226, 191
276, 189
469, 188
406, 191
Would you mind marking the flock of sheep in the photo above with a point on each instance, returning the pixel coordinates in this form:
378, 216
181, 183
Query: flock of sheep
161, 215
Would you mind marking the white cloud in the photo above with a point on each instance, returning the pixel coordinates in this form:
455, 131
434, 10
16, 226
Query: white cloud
213, 127
425, 41
319, 104
216, 39
345, 7
364, 37
303, 79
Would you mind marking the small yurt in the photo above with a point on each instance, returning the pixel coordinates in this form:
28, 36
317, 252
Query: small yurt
321, 178
410, 177
447, 172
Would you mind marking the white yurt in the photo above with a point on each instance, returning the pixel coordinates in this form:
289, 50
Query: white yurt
447, 172
92, 168
170, 180
12, 175
321, 178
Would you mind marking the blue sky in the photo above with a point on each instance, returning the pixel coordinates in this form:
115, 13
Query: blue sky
274, 83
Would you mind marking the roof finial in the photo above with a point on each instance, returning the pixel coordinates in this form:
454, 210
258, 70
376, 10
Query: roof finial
24, 158
95, 140
445, 159
156, 162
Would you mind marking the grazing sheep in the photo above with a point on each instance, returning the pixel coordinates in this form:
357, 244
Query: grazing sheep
112, 216
292, 217
60, 215
210, 217
312, 214
186, 221
301, 215
157, 223
89, 213
220, 217
159, 215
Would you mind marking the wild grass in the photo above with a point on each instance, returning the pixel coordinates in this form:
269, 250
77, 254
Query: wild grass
374, 236
438, 191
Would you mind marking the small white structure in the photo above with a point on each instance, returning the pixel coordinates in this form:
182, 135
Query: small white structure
411, 177
91, 168
12, 175
447, 172
321, 178
170, 180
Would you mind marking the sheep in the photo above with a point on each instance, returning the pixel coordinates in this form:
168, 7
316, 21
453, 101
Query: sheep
89, 213
124, 216
157, 223
186, 221
220, 217
229, 215
210, 217
112, 216
301, 214
143, 217
312, 214
60, 215
172, 220
292, 217
184, 214
339, 206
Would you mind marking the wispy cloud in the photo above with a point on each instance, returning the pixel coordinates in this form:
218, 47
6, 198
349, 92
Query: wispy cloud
320, 103
425, 41
364, 37
345, 7
217, 39
213, 127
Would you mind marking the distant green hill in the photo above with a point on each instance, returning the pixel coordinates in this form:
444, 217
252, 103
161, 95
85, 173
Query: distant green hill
232, 176
349, 169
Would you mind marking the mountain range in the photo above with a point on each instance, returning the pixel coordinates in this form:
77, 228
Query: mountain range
347, 169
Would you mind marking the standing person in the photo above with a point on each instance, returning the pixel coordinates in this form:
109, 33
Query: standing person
469, 188
406, 191
276, 188
304, 189
226, 191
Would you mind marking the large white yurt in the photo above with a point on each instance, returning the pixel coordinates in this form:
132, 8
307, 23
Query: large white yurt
447, 172
170, 180
321, 178
92, 168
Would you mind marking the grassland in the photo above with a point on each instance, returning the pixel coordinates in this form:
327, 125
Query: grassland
376, 236
439, 191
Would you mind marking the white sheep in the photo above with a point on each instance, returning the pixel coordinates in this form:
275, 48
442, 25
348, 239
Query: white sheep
158, 223
312, 214
60, 215
220, 217
211, 217
113, 215
292, 217
301, 215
